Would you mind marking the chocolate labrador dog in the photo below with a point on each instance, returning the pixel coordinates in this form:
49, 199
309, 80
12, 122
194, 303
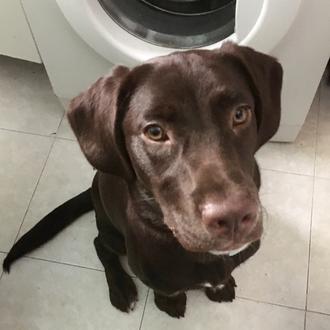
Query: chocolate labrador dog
176, 189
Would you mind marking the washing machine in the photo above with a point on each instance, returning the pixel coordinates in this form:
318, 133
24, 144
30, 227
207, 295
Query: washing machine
80, 40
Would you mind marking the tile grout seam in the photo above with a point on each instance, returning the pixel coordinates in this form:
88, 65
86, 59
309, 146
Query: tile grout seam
144, 309
51, 135
28, 133
286, 172
300, 309
312, 206
62, 263
65, 138
319, 313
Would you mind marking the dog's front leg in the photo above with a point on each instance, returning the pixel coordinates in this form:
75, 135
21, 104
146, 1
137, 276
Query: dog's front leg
122, 290
174, 305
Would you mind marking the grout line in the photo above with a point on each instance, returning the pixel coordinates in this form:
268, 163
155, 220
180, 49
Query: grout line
320, 313
144, 309
31, 33
39, 134
322, 177
27, 133
59, 125
286, 172
62, 263
65, 138
312, 208
56, 133
271, 303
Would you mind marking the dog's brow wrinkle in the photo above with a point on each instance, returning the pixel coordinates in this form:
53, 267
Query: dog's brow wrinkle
225, 94
165, 114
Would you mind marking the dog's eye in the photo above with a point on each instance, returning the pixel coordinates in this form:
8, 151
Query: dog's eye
155, 133
241, 115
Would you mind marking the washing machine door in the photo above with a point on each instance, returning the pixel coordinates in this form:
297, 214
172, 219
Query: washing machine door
174, 23
130, 32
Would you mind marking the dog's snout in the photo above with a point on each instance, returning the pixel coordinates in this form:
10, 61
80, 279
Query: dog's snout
230, 217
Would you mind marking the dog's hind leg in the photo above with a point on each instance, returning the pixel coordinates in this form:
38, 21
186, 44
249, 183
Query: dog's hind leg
122, 290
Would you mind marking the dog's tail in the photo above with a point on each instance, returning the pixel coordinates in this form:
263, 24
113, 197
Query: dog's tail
50, 226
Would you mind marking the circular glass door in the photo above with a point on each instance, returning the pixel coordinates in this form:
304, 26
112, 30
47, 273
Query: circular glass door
187, 7
174, 23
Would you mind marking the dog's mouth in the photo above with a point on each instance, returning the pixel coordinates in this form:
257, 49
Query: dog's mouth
230, 252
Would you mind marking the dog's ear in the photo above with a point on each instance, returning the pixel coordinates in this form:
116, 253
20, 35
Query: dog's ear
95, 119
265, 77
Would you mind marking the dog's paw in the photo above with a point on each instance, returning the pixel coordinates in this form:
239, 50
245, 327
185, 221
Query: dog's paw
174, 306
222, 294
123, 294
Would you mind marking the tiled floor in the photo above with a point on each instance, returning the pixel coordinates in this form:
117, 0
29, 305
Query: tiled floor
62, 285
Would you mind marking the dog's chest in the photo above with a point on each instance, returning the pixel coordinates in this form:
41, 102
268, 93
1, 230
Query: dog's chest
173, 272
165, 266
209, 285
213, 274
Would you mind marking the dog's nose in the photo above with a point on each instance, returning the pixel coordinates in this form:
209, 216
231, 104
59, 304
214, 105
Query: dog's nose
229, 217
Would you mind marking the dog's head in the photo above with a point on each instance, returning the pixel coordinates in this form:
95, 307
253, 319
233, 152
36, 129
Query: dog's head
186, 127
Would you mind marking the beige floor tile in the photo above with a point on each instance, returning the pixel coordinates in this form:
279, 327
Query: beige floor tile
322, 167
27, 102
66, 174
202, 314
44, 295
317, 321
297, 157
22, 158
278, 272
319, 284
